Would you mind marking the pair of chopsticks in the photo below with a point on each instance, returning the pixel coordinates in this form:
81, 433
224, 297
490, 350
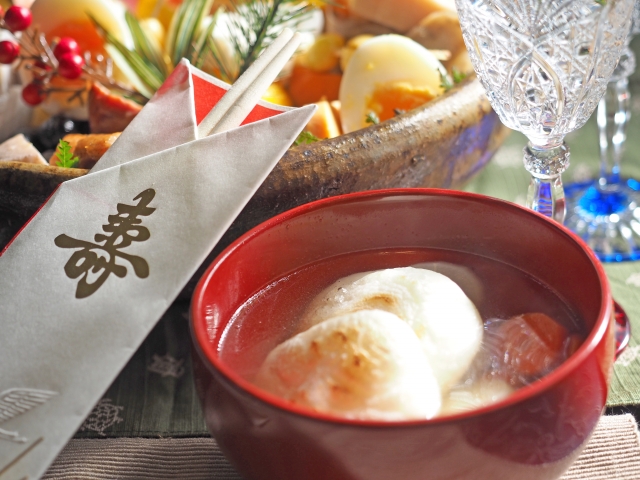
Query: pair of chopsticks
245, 93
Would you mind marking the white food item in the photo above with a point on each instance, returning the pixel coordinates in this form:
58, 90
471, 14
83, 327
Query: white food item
363, 365
399, 14
382, 60
19, 149
445, 320
468, 281
481, 393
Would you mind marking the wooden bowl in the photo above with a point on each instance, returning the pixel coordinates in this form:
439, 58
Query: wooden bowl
534, 433
442, 144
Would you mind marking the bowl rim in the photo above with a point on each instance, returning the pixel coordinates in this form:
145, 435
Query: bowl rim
209, 352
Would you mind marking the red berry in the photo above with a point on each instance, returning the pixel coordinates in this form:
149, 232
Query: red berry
17, 18
65, 45
70, 65
32, 94
9, 51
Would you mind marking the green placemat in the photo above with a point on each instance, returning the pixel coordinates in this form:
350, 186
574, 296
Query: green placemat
154, 396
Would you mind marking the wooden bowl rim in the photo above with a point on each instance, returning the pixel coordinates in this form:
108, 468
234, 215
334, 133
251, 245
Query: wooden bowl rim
468, 93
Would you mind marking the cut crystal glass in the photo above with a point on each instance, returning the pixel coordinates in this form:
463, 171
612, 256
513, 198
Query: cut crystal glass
545, 64
605, 211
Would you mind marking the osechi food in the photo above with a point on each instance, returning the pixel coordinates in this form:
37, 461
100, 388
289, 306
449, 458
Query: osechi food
360, 62
401, 334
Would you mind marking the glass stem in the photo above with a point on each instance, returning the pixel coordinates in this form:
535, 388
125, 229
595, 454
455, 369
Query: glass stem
546, 193
613, 117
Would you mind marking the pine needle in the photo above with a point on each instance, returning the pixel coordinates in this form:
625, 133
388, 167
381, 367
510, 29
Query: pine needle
257, 22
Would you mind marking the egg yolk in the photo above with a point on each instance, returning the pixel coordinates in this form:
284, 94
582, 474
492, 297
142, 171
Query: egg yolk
389, 98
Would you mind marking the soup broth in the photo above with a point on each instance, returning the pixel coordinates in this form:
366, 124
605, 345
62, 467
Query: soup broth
499, 291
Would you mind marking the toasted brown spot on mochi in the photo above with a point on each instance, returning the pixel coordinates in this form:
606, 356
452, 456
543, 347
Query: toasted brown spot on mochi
380, 301
340, 335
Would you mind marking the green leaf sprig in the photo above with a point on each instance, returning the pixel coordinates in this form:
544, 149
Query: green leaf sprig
447, 83
66, 159
305, 138
372, 118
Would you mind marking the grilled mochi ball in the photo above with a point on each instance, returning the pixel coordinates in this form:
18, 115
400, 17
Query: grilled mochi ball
362, 365
445, 320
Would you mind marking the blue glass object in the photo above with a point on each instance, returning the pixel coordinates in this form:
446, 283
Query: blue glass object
605, 212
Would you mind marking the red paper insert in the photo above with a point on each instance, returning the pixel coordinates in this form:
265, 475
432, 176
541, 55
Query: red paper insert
207, 95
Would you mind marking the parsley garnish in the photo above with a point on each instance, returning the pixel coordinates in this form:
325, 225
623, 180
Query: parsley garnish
372, 118
456, 77
305, 137
66, 159
445, 82
601, 2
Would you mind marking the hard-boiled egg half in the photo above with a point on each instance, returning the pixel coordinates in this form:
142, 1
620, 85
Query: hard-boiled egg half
385, 75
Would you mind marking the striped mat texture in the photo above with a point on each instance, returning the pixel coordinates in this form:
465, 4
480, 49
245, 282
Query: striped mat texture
613, 453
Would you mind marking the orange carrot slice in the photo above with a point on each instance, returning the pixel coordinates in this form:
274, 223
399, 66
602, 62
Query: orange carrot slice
533, 344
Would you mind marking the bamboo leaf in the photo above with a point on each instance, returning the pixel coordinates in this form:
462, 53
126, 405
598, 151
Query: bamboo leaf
184, 15
148, 49
170, 38
188, 19
147, 73
201, 45
125, 68
219, 60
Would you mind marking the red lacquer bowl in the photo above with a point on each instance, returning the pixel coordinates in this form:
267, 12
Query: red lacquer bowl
534, 434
